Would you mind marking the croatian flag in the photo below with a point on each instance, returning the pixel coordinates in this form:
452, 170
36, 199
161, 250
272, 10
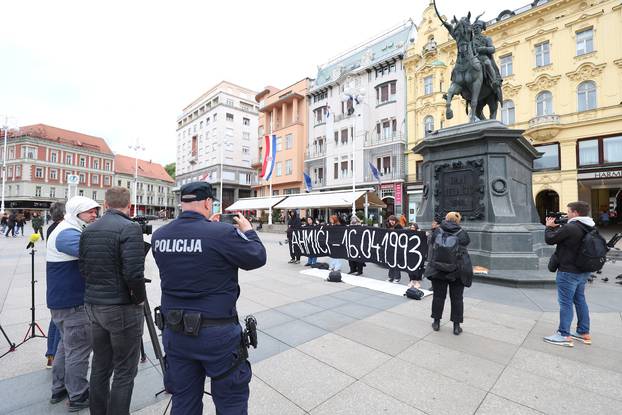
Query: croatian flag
308, 185
269, 157
375, 172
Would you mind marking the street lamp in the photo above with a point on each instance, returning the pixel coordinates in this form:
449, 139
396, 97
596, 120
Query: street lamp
6, 128
356, 96
136, 147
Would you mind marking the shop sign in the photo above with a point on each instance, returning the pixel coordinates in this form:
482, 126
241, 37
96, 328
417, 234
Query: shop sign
597, 175
398, 193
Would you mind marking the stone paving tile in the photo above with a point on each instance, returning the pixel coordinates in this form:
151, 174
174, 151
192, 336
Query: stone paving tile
494, 350
552, 397
494, 308
362, 399
355, 310
475, 371
267, 346
377, 337
351, 294
326, 301
383, 301
266, 298
495, 405
329, 320
559, 369
504, 319
593, 355
343, 354
246, 306
299, 309
295, 332
431, 392
502, 331
271, 318
605, 323
25, 390
401, 323
302, 379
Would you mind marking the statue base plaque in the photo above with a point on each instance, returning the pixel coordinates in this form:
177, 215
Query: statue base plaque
483, 170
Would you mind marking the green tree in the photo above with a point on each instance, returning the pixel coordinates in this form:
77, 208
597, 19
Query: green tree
170, 169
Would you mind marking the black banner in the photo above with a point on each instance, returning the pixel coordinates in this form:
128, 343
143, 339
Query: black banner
400, 248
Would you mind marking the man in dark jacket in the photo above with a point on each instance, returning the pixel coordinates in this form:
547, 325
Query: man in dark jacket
112, 260
570, 279
11, 224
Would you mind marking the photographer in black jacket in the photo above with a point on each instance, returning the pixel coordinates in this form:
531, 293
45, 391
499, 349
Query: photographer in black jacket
112, 260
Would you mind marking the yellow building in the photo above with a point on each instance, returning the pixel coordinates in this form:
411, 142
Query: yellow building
561, 61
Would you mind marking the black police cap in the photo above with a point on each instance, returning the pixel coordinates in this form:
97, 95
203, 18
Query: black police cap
195, 191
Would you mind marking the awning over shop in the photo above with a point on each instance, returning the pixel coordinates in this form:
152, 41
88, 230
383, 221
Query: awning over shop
340, 199
255, 203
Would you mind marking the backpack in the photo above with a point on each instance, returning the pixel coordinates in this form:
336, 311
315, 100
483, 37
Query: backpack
592, 252
446, 251
414, 293
334, 276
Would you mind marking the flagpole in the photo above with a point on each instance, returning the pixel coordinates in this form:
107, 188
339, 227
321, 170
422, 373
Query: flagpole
270, 208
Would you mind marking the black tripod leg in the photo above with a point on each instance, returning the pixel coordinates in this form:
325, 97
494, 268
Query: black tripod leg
11, 344
143, 356
153, 335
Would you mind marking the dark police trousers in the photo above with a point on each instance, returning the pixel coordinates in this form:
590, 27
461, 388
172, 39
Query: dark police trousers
190, 359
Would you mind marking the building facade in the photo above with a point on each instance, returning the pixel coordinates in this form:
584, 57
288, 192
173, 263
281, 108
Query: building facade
40, 158
284, 114
216, 140
153, 195
562, 85
345, 134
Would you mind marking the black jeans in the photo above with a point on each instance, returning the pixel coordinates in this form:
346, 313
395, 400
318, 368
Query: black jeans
456, 289
117, 331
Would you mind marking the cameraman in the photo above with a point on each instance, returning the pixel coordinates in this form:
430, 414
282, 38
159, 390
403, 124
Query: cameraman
198, 261
112, 260
570, 279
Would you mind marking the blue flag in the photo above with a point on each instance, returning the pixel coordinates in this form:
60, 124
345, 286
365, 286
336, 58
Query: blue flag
375, 172
307, 182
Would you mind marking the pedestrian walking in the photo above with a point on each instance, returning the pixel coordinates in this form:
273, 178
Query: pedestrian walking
37, 224
4, 222
20, 221
449, 267
570, 278
11, 223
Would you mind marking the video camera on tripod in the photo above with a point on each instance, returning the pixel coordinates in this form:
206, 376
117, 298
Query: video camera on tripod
144, 224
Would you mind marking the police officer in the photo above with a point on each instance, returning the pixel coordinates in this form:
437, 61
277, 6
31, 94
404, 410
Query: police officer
198, 260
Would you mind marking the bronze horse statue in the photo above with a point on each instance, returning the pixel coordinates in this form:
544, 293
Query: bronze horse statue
467, 76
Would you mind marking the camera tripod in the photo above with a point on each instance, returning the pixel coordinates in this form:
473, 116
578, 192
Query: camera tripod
33, 326
12, 346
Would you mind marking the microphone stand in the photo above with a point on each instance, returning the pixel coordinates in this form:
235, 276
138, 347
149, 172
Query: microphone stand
33, 326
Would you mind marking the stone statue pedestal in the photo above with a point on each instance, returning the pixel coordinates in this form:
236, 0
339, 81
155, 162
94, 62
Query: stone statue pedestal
483, 170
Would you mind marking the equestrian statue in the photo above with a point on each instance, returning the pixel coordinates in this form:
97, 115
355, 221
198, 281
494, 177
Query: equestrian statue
475, 75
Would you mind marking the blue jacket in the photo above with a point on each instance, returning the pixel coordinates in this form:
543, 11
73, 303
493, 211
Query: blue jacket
199, 261
65, 285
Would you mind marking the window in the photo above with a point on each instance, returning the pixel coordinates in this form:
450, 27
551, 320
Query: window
246, 136
505, 65
386, 129
82, 178
319, 115
53, 157
336, 171
278, 144
344, 136
543, 54
385, 92
96, 164
119, 183
29, 152
585, 41
550, 158
38, 191
588, 152
544, 103
95, 179
18, 171
246, 121
383, 164
586, 96
344, 168
94, 195
288, 167
229, 102
68, 158
39, 172
107, 166
215, 116
80, 192
508, 113
10, 171
82, 162
612, 149
130, 183
11, 153
428, 86
428, 125
54, 174
52, 192
245, 150
289, 141
279, 169
229, 117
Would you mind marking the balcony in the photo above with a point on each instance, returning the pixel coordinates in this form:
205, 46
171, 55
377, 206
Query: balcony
315, 153
340, 117
544, 127
387, 176
375, 140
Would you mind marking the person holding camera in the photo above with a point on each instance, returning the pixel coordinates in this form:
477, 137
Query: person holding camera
570, 278
65, 299
112, 261
198, 258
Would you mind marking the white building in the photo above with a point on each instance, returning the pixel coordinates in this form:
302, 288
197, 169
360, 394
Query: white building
377, 124
217, 133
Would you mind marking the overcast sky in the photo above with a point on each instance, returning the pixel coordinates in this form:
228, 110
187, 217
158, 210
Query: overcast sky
124, 69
